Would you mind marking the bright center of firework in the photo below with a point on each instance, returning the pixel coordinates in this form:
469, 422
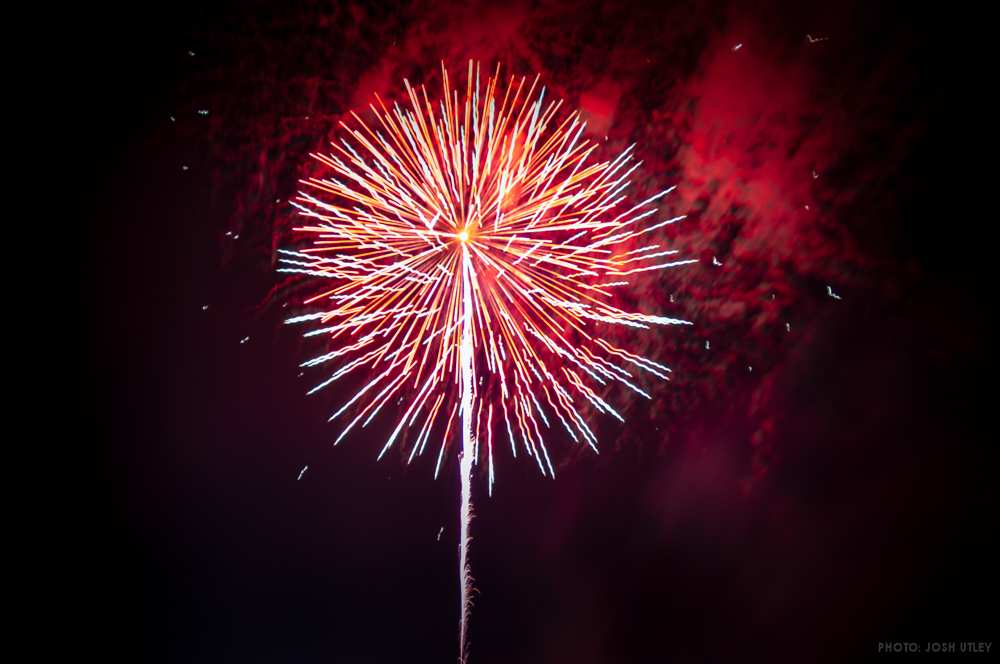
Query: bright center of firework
463, 236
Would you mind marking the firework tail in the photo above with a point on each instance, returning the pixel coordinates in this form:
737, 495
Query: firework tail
467, 456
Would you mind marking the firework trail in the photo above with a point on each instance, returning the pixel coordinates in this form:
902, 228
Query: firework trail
472, 248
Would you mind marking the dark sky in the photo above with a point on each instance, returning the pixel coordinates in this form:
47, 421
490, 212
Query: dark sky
818, 479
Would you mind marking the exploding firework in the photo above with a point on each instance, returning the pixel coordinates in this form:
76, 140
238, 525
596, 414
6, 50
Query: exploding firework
470, 251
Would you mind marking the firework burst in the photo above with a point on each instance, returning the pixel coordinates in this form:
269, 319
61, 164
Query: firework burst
468, 251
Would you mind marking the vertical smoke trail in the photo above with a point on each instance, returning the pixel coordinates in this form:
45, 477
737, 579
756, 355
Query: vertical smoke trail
468, 453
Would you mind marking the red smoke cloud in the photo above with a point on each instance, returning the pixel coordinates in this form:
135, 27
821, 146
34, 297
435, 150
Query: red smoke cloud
768, 134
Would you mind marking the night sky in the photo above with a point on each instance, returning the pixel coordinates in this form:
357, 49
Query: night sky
817, 476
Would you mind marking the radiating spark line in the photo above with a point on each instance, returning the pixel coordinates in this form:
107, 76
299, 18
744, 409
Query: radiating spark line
463, 254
